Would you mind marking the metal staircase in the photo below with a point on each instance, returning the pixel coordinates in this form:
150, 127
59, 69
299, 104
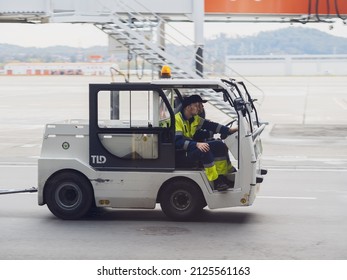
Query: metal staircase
133, 30
129, 36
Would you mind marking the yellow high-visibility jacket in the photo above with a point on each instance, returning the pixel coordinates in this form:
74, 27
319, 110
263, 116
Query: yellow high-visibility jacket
185, 130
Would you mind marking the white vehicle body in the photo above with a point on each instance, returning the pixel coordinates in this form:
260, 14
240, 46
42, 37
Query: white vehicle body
130, 163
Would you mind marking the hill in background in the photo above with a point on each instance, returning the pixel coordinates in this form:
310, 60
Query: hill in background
291, 40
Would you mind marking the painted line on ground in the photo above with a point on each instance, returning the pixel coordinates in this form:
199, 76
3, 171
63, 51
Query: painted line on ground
288, 197
342, 103
304, 168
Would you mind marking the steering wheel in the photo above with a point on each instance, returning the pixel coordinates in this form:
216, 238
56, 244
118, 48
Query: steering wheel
229, 124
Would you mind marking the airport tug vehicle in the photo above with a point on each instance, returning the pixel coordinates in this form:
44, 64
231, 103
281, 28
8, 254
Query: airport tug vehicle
124, 156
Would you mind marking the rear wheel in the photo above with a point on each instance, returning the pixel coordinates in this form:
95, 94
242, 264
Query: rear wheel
182, 200
69, 195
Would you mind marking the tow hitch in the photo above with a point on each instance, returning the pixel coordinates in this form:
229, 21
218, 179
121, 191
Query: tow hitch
30, 190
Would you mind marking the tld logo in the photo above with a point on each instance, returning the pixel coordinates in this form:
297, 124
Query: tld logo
98, 159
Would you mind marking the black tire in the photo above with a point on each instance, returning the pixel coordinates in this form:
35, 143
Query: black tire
181, 200
69, 196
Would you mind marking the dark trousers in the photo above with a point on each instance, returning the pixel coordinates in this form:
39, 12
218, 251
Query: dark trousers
217, 150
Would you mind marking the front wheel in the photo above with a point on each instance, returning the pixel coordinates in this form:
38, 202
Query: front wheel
69, 196
182, 200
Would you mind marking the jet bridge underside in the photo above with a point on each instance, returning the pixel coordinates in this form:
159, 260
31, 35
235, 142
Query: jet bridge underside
43, 11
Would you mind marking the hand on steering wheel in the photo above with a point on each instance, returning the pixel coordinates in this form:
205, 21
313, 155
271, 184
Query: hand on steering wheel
231, 122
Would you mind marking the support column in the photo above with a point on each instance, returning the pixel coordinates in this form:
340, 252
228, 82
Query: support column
161, 40
198, 17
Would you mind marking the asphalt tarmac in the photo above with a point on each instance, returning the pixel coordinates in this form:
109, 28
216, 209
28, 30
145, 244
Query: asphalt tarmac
299, 212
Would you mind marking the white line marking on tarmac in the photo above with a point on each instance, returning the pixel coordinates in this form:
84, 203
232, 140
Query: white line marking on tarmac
288, 197
342, 103
305, 169
29, 145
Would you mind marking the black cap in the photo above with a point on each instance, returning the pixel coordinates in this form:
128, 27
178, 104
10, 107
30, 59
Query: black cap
192, 99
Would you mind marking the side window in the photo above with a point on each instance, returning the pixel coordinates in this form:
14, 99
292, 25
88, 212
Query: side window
164, 114
131, 146
133, 114
126, 109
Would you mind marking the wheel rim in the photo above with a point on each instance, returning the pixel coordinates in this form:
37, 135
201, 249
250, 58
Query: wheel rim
68, 195
181, 200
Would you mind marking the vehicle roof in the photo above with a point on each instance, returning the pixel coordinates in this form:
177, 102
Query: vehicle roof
196, 83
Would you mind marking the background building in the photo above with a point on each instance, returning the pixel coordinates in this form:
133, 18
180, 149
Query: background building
287, 65
64, 68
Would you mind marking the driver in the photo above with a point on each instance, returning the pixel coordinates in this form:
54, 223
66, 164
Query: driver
213, 154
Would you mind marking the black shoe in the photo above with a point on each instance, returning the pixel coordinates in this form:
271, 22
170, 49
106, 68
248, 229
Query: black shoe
220, 185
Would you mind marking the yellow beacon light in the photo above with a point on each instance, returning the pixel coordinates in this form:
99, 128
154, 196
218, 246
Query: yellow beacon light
165, 72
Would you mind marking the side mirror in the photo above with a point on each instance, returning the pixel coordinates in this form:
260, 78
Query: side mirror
239, 104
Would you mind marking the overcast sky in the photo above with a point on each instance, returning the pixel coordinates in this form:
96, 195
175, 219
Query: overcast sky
86, 35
